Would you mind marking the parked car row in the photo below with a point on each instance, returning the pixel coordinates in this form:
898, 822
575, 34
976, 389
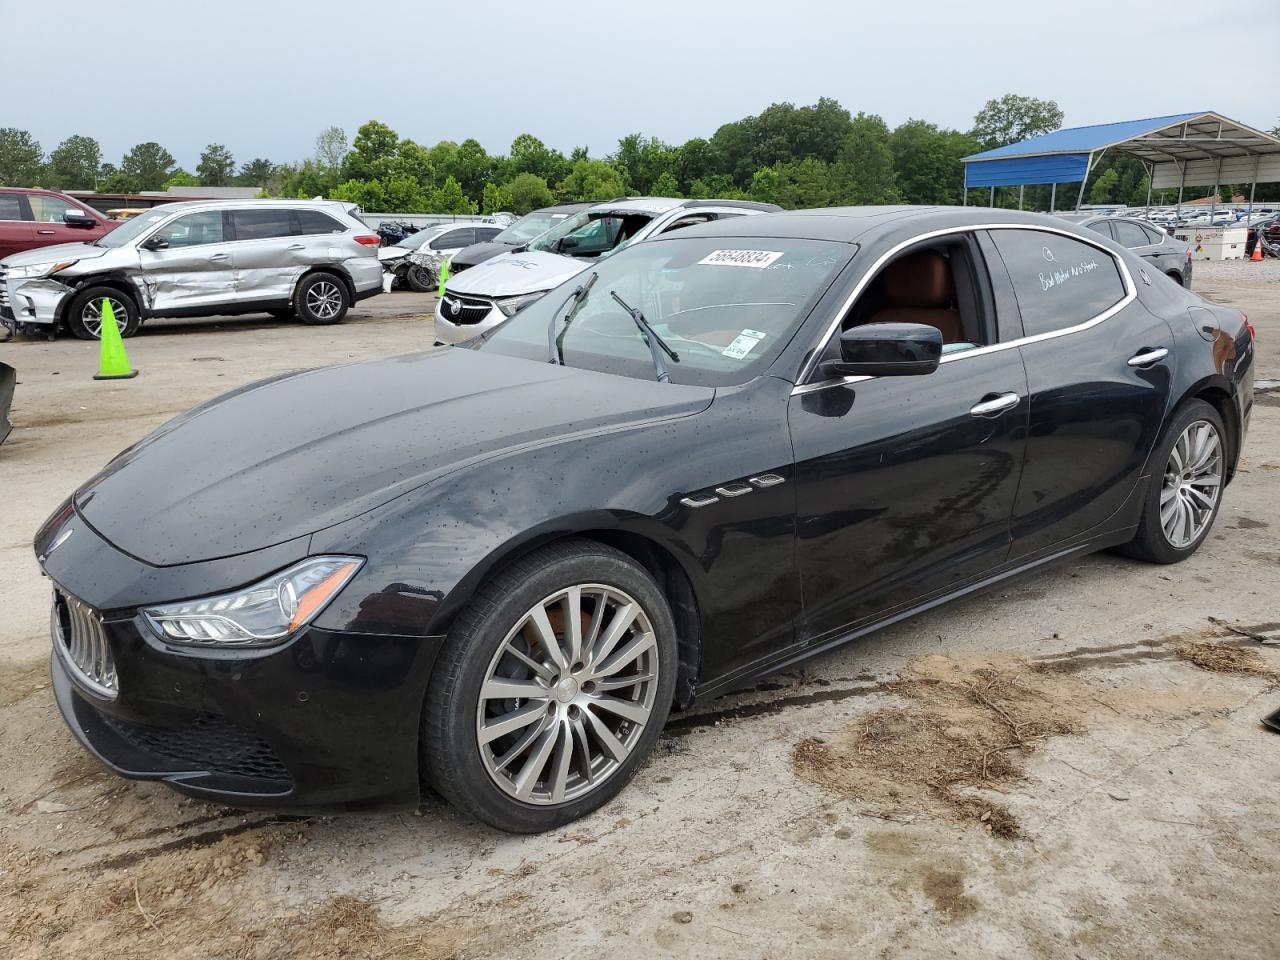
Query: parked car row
1171, 257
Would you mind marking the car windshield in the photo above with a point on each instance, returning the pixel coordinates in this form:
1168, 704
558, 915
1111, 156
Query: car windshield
591, 234
133, 228
726, 306
528, 227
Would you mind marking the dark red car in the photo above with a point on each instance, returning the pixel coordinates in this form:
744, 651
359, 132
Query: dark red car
40, 218
1270, 229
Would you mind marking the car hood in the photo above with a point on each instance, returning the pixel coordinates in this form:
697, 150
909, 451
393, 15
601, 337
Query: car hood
393, 252
59, 251
283, 458
478, 253
511, 274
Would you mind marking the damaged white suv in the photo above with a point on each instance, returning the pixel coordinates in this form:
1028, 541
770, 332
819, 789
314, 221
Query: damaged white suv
202, 258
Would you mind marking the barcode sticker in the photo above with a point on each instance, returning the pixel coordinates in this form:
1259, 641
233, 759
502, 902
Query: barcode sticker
741, 258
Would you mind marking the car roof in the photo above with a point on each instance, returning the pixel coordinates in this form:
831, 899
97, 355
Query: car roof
186, 206
848, 224
57, 193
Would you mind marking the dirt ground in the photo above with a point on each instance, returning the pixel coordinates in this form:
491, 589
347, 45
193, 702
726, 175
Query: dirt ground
1071, 766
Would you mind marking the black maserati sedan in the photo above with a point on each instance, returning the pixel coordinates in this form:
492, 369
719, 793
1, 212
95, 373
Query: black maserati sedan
497, 569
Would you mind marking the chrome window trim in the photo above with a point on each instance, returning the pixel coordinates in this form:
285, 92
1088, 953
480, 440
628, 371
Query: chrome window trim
1130, 294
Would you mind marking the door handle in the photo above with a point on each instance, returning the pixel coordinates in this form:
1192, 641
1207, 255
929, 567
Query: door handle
46, 233
1147, 357
296, 246
994, 404
217, 256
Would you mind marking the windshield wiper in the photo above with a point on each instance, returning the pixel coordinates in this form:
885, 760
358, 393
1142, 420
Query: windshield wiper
651, 338
555, 344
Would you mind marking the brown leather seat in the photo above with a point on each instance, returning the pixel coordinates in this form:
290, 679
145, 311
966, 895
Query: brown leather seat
918, 289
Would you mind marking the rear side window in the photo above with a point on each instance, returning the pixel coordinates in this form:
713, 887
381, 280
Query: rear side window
262, 224
452, 238
1155, 235
1130, 234
1059, 281
11, 207
313, 221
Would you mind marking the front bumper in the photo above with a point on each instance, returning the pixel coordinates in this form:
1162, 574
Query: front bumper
454, 333
32, 301
328, 722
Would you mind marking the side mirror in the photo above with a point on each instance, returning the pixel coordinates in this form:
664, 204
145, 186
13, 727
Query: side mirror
567, 243
156, 243
887, 350
78, 218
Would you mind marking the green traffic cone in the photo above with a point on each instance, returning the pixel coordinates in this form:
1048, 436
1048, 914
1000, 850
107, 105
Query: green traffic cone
112, 362
444, 277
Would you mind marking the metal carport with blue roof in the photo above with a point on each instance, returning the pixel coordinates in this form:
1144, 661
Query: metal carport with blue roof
1182, 150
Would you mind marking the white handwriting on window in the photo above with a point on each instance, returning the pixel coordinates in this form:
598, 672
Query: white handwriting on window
1057, 277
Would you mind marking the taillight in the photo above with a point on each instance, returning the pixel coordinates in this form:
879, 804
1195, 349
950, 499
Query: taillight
1253, 334
367, 239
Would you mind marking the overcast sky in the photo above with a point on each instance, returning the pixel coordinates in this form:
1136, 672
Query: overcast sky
264, 77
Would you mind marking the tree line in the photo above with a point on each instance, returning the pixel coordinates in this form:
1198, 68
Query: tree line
806, 156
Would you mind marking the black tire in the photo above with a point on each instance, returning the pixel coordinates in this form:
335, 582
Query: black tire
451, 752
316, 294
284, 313
420, 279
1150, 543
1175, 276
82, 327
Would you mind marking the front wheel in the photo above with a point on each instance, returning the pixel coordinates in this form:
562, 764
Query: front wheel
420, 279
321, 298
552, 687
1184, 497
84, 313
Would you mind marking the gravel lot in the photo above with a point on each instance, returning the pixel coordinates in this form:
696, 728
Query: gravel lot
1071, 766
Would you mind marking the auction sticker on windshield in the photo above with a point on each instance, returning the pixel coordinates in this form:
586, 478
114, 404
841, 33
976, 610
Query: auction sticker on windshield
742, 344
741, 258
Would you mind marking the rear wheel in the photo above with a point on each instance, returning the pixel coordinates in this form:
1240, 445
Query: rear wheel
321, 298
552, 687
84, 313
1184, 497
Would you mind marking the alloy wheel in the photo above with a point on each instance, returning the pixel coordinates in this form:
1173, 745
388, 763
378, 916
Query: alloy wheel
91, 316
1192, 480
568, 694
324, 300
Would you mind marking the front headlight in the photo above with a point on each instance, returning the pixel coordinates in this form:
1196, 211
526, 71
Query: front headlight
513, 305
260, 614
38, 271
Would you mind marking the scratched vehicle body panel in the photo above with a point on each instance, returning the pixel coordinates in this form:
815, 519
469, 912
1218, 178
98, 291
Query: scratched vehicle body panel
715, 454
199, 258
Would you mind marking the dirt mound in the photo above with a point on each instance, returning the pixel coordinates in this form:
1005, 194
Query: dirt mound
966, 727
1224, 658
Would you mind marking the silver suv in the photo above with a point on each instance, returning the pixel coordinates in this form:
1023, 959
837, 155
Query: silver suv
203, 258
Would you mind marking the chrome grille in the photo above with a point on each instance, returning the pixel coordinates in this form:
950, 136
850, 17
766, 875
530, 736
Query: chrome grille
463, 310
82, 642
4, 289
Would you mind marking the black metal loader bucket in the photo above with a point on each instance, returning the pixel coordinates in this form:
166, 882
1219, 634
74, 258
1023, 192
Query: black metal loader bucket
8, 378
